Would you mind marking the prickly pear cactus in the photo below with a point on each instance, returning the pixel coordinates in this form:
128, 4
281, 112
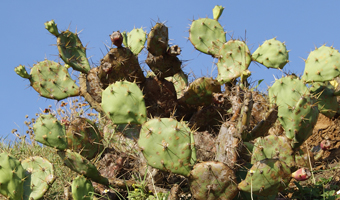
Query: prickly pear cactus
172, 149
40, 176
12, 177
82, 188
213, 180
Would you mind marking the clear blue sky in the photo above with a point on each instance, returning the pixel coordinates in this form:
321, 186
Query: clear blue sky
24, 40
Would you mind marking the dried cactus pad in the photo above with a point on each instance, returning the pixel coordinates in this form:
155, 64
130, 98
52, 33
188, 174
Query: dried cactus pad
213, 180
167, 145
39, 177
123, 102
158, 39
12, 176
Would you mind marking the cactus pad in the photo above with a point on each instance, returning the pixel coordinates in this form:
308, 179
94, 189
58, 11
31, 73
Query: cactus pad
234, 58
272, 54
83, 136
52, 80
212, 180
82, 188
200, 91
327, 101
135, 40
322, 64
72, 51
50, 132
39, 177
171, 148
81, 165
273, 147
207, 35
266, 177
158, 39
123, 102
12, 176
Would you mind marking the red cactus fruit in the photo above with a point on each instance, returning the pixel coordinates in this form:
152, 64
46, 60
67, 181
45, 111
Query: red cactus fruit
325, 145
302, 174
117, 38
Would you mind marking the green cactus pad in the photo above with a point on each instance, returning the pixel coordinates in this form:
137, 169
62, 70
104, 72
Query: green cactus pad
52, 80
72, 51
135, 40
83, 136
158, 39
273, 147
272, 54
200, 91
212, 180
217, 12
180, 81
51, 26
12, 176
81, 165
167, 145
50, 132
207, 35
234, 58
287, 91
82, 188
39, 177
123, 102
322, 64
266, 177
21, 71
299, 120
327, 101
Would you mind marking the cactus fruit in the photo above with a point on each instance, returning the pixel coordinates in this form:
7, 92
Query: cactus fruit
172, 148
116, 38
71, 50
50, 132
21, 71
52, 80
82, 188
207, 35
322, 64
40, 176
158, 40
83, 136
217, 12
272, 54
135, 40
212, 180
301, 174
266, 177
12, 176
234, 58
123, 102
